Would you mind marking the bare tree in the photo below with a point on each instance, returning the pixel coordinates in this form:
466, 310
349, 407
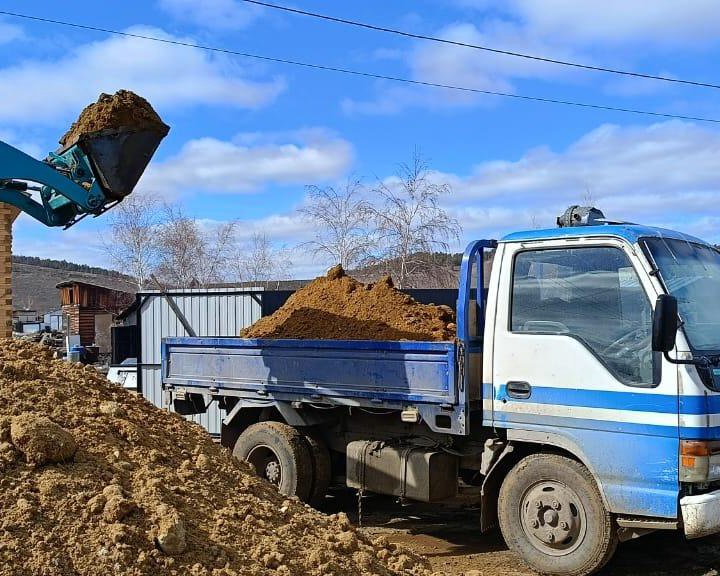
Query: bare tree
414, 229
342, 219
181, 248
190, 255
147, 237
131, 241
220, 249
262, 264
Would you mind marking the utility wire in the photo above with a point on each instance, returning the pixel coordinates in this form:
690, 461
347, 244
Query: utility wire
361, 73
478, 47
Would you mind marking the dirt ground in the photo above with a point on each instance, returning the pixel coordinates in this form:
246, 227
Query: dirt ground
449, 536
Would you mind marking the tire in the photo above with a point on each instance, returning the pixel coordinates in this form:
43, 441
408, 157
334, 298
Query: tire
552, 515
321, 468
280, 454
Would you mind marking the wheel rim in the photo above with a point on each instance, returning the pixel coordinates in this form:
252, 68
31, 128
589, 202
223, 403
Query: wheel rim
553, 518
266, 463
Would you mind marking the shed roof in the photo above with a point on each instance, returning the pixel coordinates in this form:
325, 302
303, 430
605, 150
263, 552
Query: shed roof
109, 283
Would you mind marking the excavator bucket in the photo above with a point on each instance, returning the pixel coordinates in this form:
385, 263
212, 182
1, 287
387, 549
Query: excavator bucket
119, 157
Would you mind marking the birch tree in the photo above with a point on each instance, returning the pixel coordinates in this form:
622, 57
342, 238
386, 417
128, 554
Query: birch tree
131, 240
414, 230
190, 254
261, 264
342, 220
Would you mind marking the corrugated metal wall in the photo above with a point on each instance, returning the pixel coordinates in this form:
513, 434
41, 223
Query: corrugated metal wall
211, 312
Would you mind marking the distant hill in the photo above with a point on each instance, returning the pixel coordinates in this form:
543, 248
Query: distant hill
442, 271
67, 266
35, 280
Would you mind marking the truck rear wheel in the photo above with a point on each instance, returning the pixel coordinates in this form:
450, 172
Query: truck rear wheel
552, 515
280, 454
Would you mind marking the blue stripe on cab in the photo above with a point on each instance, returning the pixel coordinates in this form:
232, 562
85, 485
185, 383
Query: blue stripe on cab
586, 424
661, 403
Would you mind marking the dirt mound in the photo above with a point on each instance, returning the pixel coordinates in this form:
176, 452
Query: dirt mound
338, 307
40, 440
124, 109
147, 492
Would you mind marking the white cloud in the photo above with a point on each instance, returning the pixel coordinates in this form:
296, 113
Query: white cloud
392, 99
664, 174
449, 64
250, 162
458, 66
219, 14
665, 22
660, 22
661, 175
610, 33
167, 75
10, 32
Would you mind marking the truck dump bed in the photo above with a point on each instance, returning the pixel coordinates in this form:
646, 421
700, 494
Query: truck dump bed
367, 372
441, 382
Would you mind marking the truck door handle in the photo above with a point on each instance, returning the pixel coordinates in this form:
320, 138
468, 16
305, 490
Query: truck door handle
520, 390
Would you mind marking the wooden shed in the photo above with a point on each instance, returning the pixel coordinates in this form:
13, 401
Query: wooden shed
90, 307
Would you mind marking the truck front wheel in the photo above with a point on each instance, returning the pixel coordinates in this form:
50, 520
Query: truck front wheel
551, 513
280, 454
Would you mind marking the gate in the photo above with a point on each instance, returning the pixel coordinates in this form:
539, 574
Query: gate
212, 312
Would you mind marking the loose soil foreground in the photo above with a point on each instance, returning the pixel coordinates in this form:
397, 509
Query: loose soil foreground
95, 480
338, 307
449, 537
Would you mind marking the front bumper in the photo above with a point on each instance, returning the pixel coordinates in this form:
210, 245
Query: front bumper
701, 514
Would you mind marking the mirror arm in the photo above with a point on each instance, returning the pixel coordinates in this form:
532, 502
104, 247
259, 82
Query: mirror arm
702, 361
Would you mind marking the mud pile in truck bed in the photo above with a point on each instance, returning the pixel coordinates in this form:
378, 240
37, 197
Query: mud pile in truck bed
95, 480
124, 109
338, 307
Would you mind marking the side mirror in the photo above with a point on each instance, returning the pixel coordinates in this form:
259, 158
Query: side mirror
665, 323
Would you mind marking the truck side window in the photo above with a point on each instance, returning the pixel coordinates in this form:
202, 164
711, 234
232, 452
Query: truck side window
592, 294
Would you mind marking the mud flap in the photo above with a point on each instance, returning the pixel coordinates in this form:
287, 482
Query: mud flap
491, 487
190, 404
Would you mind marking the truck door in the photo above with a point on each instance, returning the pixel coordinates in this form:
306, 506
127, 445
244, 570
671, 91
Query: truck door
573, 367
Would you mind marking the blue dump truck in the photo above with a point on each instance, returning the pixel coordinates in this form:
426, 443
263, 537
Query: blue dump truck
582, 394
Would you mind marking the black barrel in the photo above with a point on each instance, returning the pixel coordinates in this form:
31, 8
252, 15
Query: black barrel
119, 157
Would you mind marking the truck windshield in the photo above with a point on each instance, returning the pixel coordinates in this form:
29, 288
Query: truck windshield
691, 273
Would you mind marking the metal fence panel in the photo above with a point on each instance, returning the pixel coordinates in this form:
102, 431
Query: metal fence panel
210, 312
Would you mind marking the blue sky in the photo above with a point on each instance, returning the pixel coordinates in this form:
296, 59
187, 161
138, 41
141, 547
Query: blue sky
247, 136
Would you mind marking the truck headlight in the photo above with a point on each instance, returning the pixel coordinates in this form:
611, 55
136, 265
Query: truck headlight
699, 461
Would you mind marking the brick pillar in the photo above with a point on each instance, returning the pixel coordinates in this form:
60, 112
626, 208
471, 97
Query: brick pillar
7, 217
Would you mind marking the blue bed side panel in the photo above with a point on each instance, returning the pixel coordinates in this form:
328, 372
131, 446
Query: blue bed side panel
374, 371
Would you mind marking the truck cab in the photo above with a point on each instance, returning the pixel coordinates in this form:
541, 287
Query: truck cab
582, 394
573, 367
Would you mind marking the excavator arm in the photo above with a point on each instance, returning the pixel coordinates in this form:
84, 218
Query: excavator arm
88, 177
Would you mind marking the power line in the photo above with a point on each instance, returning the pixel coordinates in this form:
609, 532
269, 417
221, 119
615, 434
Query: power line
479, 47
360, 73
